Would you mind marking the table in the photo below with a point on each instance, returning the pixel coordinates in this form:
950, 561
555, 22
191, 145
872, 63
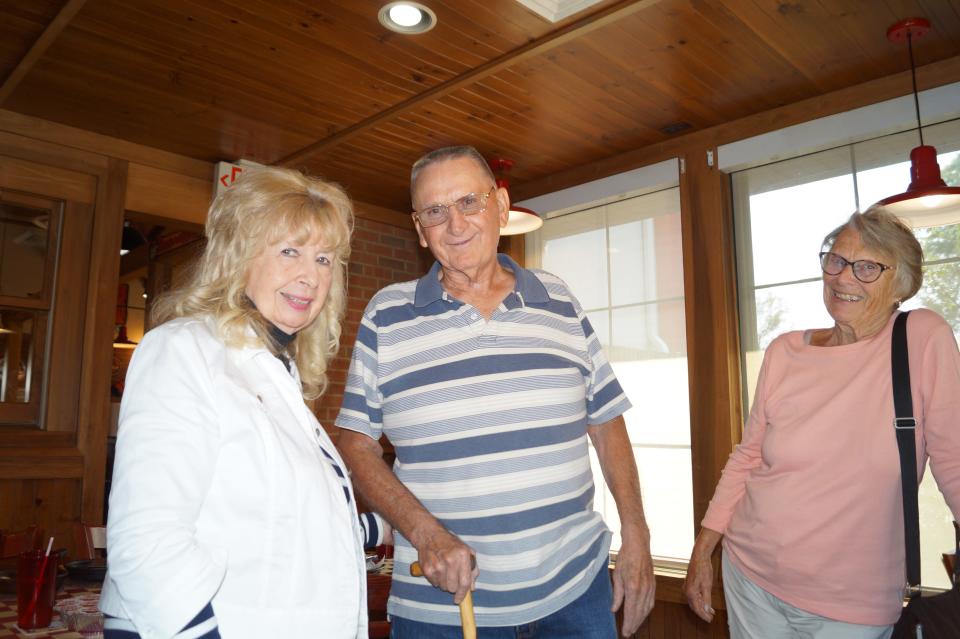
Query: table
378, 587
8, 614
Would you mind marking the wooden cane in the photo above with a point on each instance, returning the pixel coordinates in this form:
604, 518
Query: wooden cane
466, 607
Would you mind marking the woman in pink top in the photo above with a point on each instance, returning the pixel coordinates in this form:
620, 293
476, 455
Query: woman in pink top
809, 504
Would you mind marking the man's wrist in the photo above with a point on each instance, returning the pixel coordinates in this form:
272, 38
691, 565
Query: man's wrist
426, 528
637, 533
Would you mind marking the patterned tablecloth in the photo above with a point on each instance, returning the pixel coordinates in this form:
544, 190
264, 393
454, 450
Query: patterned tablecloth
8, 616
378, 582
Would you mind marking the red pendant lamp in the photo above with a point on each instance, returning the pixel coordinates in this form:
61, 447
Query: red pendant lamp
928, 201
522, 219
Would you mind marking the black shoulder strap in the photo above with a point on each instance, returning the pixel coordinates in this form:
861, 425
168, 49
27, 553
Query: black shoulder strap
905, 426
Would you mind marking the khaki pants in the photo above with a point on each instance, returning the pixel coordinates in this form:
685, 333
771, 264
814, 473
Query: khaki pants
753, 613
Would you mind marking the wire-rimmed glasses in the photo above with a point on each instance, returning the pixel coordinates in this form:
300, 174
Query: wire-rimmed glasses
864, 270
469, 204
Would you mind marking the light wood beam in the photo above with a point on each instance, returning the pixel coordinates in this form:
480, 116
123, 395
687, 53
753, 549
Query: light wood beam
574, 30
49, 35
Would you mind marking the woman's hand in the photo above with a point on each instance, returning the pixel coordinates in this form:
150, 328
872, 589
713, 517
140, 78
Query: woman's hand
698, 586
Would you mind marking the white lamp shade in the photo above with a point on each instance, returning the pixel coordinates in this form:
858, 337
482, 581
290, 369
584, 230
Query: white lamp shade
933, 209
521, 221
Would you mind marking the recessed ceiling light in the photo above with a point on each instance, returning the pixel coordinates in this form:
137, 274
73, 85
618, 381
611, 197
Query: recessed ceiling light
407, 17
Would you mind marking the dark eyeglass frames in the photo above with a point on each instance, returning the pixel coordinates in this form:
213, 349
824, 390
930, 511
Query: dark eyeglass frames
864, 270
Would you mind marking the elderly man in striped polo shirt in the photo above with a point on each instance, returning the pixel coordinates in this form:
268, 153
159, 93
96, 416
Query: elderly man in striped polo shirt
487, 378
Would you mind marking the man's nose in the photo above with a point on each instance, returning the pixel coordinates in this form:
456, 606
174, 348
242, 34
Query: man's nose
456, 221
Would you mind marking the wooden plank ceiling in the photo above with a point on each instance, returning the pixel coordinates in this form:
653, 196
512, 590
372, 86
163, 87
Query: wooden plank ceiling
323, 86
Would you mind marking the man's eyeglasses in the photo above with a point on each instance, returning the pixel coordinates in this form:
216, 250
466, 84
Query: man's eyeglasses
864, 270
437, 214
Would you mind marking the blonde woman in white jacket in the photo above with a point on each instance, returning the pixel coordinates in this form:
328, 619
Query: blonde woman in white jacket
230, 514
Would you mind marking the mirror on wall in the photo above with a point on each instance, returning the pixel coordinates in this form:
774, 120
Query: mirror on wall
24, 240
18, 355
29, 235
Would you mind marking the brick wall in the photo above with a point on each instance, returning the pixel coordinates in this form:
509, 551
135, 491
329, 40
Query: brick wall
382, 254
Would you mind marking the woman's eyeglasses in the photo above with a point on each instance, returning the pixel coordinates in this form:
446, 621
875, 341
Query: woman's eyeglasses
864, 270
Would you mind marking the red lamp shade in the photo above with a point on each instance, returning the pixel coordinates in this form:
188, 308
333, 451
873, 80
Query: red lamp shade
928, 201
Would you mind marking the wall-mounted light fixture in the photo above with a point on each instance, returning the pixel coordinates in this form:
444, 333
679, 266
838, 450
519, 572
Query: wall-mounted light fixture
120, 319
131, 239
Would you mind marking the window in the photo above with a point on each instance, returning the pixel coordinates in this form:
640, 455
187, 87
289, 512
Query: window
623, 261
782, 212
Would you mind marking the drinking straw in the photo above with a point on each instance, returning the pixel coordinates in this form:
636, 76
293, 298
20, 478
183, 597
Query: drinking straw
40, 576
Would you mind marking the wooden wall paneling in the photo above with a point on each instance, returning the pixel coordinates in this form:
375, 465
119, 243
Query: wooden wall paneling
52, 504
202, 131
169, 194
669, 620
15, 438
66, 343
39, 151
94, 409
713, 342
31, 177
11, 300
41, 462
64, 145
57, 504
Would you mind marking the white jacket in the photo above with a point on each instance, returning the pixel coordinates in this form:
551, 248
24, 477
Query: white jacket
221, 492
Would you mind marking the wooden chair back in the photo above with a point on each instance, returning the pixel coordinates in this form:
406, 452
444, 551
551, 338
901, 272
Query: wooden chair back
90, 540
14, 543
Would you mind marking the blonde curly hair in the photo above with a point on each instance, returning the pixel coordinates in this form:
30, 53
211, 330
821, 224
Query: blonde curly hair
267, 205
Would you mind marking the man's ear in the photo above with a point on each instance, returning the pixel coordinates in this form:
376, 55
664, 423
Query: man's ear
503, 199
416, 225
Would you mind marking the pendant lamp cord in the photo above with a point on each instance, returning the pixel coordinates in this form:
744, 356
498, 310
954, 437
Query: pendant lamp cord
913, 75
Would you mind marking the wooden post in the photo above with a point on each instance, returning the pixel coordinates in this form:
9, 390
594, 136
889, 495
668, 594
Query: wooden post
713, 342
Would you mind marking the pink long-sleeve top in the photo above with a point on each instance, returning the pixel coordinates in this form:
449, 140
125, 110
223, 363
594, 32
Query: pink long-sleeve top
810, 502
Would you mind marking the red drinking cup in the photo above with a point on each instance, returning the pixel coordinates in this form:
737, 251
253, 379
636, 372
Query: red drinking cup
35, 591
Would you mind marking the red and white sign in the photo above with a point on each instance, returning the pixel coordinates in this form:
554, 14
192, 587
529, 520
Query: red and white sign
228, 172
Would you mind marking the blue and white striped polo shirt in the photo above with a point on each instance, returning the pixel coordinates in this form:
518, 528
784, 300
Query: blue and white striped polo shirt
489, 421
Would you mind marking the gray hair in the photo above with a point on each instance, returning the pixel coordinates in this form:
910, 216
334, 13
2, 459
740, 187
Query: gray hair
444, 154
885, 233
